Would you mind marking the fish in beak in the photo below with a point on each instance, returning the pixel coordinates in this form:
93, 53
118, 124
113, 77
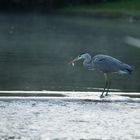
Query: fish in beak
74, 60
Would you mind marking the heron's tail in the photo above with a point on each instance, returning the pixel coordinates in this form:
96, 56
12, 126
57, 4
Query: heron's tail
127, 69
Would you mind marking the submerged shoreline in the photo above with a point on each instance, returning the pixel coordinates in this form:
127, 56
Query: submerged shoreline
65, 94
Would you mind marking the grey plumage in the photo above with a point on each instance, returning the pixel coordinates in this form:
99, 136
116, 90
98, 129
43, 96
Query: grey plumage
106, 64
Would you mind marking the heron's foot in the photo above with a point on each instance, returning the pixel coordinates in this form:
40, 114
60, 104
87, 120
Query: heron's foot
102, 96
107, 94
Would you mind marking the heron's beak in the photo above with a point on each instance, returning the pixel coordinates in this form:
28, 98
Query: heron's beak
74, 60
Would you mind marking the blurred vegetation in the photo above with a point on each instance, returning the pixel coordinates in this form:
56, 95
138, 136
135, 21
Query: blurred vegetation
116, 7
54, 4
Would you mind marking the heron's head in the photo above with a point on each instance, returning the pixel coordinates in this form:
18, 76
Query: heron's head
79, 57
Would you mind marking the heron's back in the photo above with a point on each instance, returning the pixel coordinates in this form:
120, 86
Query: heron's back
108, 64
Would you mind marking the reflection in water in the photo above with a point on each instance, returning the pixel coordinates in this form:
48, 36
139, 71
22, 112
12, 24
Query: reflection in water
68, 119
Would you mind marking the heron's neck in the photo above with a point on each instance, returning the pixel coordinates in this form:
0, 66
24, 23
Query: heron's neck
87, 63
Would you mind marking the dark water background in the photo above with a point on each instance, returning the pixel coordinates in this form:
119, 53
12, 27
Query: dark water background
35, 50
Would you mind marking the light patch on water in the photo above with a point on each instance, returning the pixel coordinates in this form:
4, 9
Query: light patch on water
132, 41
58, 119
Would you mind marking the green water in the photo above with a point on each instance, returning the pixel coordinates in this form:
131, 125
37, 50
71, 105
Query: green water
35, 50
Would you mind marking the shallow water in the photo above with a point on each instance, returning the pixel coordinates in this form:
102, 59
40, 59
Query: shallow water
59, 119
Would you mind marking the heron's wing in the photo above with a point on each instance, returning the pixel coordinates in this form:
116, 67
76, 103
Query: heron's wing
107, 63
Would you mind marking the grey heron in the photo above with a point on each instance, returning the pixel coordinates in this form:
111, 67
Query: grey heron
106, 64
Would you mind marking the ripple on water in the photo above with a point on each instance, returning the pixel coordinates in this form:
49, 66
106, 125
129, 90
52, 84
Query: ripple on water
63, 119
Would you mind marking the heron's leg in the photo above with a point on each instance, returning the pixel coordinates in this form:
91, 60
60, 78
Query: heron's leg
108, 87
106, 84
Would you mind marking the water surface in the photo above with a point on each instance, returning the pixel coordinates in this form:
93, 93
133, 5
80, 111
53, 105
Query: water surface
35, 50
41, 118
